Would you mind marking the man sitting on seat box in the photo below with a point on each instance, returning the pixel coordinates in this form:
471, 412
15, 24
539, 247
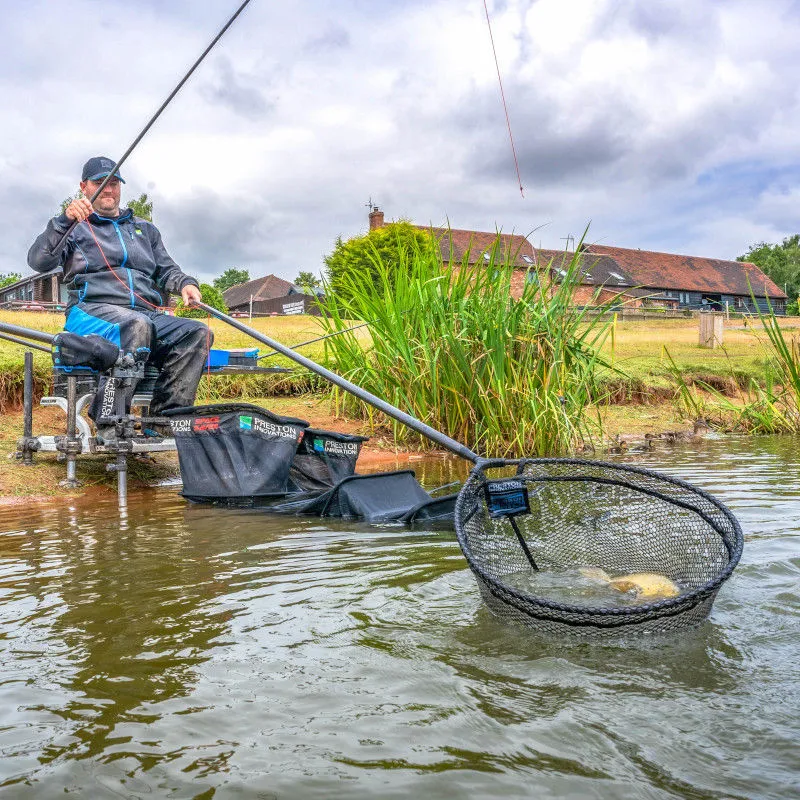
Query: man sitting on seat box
119, 274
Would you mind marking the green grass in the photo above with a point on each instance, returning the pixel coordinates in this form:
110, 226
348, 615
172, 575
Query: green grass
771, 405
749, 385
288, 330
645, 352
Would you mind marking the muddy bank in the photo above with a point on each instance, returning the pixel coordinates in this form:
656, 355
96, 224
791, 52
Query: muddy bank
628, 429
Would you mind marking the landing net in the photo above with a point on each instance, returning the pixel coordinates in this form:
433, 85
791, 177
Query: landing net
590, 548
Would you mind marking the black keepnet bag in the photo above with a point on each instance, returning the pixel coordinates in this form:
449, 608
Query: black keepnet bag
234, 451
377, 498
323, 458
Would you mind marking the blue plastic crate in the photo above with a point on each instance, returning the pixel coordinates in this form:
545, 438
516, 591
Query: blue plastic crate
238, 357
217, 358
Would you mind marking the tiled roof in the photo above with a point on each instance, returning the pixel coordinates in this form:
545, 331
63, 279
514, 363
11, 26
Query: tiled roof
596, 270
265, 288
687, 273
454, 243
618, 268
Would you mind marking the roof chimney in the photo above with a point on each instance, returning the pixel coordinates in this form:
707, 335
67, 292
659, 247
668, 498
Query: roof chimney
375, 218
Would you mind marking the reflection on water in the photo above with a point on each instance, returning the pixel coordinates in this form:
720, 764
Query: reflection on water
203, 652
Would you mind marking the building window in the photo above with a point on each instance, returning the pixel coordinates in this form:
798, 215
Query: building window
531, 277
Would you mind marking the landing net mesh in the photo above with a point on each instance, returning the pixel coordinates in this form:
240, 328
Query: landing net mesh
536, 560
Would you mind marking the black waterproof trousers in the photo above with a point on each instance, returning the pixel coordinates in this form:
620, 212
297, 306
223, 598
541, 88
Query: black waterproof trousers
177, 346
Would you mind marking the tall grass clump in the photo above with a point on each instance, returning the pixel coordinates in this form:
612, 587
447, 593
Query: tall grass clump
450, 346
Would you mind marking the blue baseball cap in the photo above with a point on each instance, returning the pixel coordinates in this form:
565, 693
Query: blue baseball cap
98, 168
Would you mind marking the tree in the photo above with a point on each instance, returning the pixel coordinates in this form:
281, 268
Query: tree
211, 297
7, 278
141, 207
307, 281
231, 277
67, 200
361, 255
781, 262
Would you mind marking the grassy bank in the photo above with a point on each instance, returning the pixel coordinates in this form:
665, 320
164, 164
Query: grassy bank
647, 399
641, 349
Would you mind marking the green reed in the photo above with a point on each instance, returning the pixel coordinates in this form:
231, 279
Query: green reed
774, 406
770, 404
450, 346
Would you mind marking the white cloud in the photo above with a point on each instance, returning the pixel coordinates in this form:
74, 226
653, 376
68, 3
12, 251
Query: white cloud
669, 125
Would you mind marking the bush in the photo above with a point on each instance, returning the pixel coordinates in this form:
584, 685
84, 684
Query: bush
378, 255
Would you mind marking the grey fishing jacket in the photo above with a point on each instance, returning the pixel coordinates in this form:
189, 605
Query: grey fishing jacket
143, 273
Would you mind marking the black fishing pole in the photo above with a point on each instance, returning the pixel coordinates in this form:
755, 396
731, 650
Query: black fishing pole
395, 413
24, 342
155, 116
28, 333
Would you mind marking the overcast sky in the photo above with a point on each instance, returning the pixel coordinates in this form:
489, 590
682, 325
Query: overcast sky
667, 126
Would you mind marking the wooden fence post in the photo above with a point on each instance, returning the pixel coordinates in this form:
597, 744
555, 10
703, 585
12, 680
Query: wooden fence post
712, 326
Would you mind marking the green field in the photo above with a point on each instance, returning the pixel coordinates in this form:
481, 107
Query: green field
642, 350
637, 348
